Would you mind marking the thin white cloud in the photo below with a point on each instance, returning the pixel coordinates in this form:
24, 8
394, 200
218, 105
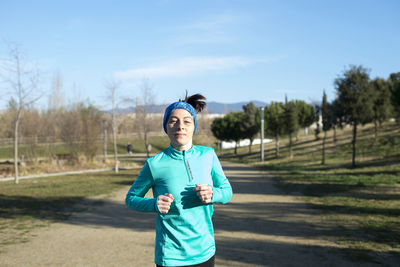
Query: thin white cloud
185, 67
214, 29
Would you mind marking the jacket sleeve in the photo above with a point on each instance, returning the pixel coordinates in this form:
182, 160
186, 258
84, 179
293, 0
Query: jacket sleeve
222, 190
135, 197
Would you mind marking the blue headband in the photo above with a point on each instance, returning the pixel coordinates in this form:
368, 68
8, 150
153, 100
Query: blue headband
179, 105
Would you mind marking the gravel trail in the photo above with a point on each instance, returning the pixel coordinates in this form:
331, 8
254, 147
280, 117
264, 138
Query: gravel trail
261, 226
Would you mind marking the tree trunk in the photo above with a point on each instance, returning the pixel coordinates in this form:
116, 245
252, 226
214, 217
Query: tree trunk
323, 148
113, 88
16, 129
236, 145
251, 143
277, 146
290, 146
116, 167
376, 130
353, 162
146, 144
105, 144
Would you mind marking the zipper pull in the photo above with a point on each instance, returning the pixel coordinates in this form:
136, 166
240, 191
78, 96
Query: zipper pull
190, 170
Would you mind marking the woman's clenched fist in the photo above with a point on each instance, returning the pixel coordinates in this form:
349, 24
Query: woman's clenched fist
164, 202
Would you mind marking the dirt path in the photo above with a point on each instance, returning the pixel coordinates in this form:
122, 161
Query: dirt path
259, 227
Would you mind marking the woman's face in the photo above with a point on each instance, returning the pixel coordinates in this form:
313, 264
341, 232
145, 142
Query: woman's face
180, 128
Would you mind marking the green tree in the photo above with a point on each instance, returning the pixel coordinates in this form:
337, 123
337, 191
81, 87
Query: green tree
274, 122
251, 122
355, 96
218, 129
337, 117
229, 128
305, 113
326, 113
235, 129
317, 131
382, 102
291, 123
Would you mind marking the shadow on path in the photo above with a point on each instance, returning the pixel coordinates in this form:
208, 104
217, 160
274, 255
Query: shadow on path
261, 226
114, 213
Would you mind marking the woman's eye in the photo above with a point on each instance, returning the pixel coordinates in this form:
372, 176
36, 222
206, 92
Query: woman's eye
188, 122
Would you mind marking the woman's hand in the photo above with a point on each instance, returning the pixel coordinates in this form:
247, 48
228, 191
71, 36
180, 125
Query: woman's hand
204, 192
164, 202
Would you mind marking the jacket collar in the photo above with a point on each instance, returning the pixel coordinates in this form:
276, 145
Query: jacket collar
176, 154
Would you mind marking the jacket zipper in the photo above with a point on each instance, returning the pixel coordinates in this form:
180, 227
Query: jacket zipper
188, 169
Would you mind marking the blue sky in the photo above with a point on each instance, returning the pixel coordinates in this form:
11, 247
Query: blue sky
230, 51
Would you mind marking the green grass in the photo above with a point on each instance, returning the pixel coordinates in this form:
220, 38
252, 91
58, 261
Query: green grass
37, 202
363, 202
41, 150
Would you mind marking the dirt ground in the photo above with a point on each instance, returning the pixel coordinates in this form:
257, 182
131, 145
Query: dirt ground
261, 226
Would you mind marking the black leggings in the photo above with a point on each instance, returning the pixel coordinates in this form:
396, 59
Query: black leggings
209, 263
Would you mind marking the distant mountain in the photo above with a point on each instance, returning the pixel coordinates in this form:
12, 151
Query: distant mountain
212, 107
149, 109
222, 108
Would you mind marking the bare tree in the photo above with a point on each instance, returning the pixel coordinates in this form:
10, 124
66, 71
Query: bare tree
112, 87
105, 124
56, 97
23, 81
56, 108
144, 106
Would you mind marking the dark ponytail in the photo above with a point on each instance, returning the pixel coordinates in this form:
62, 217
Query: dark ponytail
197, 101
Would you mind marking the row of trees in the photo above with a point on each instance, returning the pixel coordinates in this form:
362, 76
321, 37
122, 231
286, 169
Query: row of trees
359, 100
280, 119
82, 126
78, 125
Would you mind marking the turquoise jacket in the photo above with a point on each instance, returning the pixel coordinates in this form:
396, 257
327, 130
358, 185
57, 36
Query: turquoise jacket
185, 235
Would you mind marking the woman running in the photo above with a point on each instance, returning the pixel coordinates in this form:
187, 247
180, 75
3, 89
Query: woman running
186, 180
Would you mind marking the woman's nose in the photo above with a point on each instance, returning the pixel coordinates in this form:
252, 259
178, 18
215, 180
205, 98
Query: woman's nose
179, 125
